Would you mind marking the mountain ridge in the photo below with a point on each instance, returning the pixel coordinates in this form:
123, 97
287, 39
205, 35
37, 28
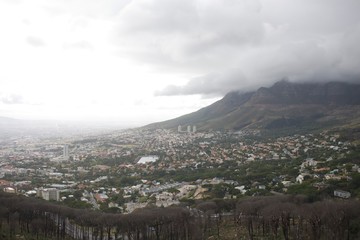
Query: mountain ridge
284, 104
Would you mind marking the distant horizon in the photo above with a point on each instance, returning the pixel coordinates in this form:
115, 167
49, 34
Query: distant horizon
121, 123
108, 123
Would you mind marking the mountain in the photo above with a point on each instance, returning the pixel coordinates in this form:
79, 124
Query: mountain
283, 105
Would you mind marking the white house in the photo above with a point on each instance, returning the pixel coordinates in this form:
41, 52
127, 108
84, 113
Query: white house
342, 194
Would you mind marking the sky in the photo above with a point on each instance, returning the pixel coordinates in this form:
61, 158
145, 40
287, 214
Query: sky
139, 61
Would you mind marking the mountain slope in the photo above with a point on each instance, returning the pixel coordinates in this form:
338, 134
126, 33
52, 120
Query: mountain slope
283, 105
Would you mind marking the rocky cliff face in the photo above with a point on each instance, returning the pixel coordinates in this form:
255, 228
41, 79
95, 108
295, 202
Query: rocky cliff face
306, 93
284, 104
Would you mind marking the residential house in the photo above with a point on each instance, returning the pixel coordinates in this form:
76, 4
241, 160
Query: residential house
342, 194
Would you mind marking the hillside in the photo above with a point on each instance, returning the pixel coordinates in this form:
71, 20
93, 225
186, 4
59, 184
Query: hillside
283, 105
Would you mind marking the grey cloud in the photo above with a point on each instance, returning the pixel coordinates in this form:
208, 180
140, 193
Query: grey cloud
209, 85
35, 41
87, 8
13, 1
187, 32
12, 99
78, 45
26, 22
263, 40
304, 61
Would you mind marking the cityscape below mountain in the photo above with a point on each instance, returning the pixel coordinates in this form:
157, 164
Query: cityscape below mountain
264, 164
180, 120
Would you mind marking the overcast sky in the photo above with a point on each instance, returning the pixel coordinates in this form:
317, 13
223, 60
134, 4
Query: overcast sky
139, 61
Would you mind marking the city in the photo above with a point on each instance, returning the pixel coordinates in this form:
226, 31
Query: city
129, 169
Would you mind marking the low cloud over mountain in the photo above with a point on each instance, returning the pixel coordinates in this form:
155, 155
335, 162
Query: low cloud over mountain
242, 45
284, 105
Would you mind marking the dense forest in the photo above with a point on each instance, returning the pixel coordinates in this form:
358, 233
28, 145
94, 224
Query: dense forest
270, 217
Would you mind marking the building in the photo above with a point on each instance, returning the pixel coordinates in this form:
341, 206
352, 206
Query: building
66, 152
148, 159
189, 129
5, 183
9, 190
342, 194
48, 194
65, 155
300, 179
100, 197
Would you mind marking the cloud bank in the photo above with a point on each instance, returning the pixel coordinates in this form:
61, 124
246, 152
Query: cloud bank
35, 41
244, 44
11, 99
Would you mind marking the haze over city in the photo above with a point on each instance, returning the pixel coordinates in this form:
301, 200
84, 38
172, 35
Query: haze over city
137, 62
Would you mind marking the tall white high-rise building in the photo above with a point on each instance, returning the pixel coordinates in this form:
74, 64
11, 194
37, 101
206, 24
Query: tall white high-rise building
194, 128
189, 129
179, 128
48, 194
66, 151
